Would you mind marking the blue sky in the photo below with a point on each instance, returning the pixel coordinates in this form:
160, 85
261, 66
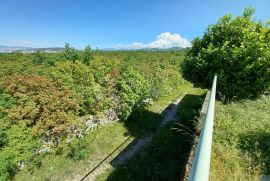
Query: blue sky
115, 23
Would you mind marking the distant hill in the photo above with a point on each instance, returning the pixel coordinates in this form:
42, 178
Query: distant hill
52, 49
7, 49
10, 49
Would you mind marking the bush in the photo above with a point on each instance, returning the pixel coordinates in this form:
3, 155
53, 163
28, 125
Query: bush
237, 51
78, 149
165, 79
19, 147
6, 168
38, 57
40, 104
134, 88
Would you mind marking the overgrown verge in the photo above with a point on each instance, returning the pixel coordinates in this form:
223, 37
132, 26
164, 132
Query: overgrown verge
241, 140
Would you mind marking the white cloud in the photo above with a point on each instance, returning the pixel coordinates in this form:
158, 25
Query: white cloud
164, 40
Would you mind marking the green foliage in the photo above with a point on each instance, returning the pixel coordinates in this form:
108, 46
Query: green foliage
70, 53
87, 55
20, 146
78, 149
164, 79
38, 57
6, 168
3, 138
40, 104
241, 140
15, 67
6, 102
237, 51
43, 96
103, 69
77, 77
134, 88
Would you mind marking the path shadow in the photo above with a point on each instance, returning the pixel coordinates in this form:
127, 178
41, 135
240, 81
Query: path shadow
141, 121
166, 155
257, 143
142, 124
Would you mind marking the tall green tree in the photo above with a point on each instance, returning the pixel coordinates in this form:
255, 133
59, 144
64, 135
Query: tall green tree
238, 51
70, 53
87, 55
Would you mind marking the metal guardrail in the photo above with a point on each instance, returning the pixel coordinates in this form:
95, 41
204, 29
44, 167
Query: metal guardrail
201, 163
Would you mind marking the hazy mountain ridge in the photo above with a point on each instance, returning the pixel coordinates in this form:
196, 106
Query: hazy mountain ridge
10, 49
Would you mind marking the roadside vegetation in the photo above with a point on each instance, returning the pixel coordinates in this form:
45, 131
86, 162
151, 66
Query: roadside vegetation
241, 140
51, 103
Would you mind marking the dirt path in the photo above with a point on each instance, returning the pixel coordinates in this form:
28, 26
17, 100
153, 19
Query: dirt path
169, 115
137, 145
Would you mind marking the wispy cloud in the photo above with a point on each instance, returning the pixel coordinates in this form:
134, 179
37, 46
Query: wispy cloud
164, 40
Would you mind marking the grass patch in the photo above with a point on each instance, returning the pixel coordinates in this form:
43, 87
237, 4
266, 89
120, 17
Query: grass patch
163, 101
241, 147
165, 157
98, 145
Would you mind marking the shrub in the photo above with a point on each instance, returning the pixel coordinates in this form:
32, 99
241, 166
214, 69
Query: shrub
238, 51
165, 79
134, 88
19, 148
77, 77
40, 104
6, 168
38, 57
78, 149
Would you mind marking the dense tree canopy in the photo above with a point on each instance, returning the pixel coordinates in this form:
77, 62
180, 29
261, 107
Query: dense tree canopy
238, 51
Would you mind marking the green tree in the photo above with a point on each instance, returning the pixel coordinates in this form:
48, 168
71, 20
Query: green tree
87, 55
238, 51
70, 53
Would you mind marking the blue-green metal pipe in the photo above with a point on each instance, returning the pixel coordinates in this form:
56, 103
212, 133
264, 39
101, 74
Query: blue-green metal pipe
201, 163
